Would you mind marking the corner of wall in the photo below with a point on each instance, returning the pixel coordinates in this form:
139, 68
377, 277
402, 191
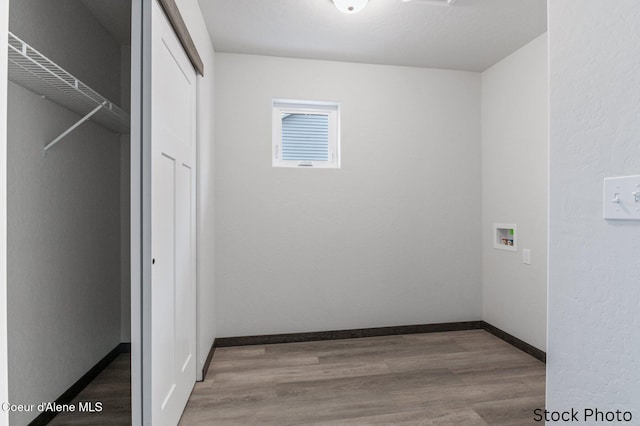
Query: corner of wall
514, 190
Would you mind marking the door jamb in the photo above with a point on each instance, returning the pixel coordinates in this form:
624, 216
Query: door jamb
140, 211
4, 332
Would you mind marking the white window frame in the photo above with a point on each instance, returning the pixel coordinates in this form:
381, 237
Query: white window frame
290, 106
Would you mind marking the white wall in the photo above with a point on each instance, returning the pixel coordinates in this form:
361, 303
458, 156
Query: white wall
391, 238
206, 323
514, 190
63, 213
125, 200
4, 370
594, 274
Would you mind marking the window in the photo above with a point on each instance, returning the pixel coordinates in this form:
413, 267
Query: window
306, 134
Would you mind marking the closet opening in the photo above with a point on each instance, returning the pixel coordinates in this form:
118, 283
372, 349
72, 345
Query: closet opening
68, 211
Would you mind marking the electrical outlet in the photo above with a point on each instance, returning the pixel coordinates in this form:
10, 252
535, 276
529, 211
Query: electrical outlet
526, 256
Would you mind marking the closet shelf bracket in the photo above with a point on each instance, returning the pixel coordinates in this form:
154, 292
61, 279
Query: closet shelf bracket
72, 128
37, 73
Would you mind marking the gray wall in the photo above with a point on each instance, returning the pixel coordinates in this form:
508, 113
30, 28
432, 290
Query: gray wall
63, 213
68, 34
594, 274
393, 237
514, 176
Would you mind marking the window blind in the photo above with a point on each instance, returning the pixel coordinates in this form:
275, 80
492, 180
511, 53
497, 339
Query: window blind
305, 137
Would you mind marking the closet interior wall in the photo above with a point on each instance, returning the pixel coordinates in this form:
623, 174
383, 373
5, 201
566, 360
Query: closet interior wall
67, 211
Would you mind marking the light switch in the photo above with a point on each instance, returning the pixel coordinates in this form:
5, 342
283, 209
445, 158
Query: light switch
622, 198
526, 256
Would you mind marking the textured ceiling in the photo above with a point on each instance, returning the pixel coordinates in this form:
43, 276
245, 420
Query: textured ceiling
471, 35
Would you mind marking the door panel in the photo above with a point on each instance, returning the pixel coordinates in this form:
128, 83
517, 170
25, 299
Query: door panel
173, 107
163, 330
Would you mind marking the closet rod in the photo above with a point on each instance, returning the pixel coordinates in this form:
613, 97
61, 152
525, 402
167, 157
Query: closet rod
72, 128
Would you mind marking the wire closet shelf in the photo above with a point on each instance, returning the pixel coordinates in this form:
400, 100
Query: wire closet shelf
35, 72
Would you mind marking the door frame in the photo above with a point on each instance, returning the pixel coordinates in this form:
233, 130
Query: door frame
140, 215
4, 361
141, 253
140, 209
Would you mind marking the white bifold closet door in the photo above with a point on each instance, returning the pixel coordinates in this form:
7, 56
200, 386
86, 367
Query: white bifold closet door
173, 201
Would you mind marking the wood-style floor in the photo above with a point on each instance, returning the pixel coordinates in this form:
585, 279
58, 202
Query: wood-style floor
112, 387
454, 378
460, 378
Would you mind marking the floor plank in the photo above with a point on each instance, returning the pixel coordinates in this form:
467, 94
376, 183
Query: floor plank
112, 387
452, 378
466, 378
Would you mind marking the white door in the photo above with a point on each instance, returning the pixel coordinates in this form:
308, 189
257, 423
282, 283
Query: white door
173, 304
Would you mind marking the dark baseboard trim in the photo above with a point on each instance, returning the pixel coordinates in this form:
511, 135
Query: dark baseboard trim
45, 417
515, 342
346, 334
207, 362
268, 339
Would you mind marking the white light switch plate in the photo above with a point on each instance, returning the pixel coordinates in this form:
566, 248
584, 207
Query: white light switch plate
526, 256
622, 198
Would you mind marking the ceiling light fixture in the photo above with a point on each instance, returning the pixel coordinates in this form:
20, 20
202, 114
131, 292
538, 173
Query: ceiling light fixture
350, 6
